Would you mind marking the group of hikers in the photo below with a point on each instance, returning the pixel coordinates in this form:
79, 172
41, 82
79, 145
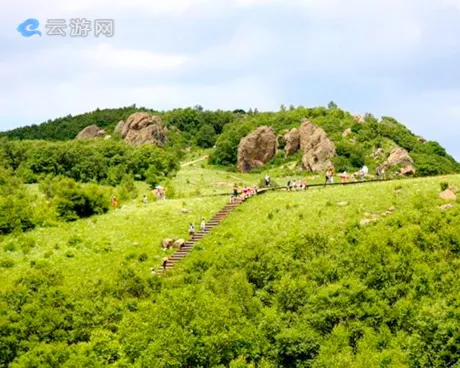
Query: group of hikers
244, 193
158, 192
300, 184
297, 185
191, 233
361, 175
191, 227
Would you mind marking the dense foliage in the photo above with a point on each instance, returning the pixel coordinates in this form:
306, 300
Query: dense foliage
74, 201
353, 151
16, 210
277, 293
98, 161
225, 129
68, 127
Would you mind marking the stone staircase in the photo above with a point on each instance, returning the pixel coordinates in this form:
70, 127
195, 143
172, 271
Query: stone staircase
188, 246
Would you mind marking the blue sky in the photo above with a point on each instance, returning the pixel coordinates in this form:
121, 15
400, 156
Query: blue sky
398, 58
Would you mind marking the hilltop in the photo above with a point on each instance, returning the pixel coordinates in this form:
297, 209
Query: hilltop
354, 140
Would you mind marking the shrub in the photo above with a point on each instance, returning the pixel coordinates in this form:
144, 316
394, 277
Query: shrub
127, 189
9, 247
7, 263
143, 257
73, 201
206, 136
26, 244
16, 211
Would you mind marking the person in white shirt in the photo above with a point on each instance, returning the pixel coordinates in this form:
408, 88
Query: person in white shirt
364, 172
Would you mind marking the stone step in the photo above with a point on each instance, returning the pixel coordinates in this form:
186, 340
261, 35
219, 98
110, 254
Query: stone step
188, 246
180, 254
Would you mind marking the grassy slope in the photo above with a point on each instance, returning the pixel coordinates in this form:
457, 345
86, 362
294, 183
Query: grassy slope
102, 243
265, 258
261, 238
279, 214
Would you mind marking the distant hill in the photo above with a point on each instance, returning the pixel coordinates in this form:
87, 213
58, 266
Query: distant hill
358, 140
67, 127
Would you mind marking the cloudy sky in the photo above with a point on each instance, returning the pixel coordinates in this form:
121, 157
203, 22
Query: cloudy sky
398, 58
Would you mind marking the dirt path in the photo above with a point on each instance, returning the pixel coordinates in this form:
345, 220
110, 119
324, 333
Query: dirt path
194, 162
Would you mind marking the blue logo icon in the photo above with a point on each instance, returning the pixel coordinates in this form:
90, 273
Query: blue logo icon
28, 27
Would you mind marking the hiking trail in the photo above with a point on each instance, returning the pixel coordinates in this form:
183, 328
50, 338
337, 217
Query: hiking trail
195, 161
189, 245
225, 211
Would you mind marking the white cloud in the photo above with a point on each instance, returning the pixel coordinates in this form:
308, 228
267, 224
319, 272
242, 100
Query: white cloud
253, 53
107, 56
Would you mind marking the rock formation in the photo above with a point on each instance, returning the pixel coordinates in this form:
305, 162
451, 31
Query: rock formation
378, 153
256, 149
317, 148
346, 132
119, 127
92, 131
359, 118
143, 128
448, 195
292, 139
400, 157
408, 170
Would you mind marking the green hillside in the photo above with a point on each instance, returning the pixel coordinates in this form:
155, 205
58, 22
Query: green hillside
356, 276
204, 128
361, 275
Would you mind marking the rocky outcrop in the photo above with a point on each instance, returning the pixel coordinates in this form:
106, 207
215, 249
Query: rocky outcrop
317, 148
448, 195
256, 149
92, 131
143, 128
398, 157
119, 128
359, 118
378, 153
408, 170
292, 139
346, 132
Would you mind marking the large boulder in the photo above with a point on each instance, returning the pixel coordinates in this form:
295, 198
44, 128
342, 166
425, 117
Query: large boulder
399, 157
256, 149
448, 195
152, 134
346, 132
292, 139
408, 170
92, 131
142, 128
359, 118
119, 127
317, 148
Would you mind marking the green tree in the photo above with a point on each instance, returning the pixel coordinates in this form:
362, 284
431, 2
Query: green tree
332, 105
206, 136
